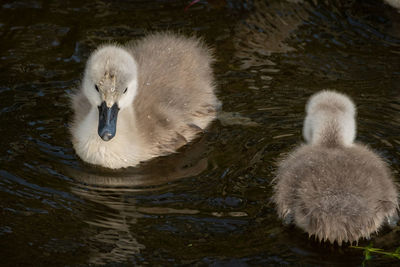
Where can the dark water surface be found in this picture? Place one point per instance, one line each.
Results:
(209, 203)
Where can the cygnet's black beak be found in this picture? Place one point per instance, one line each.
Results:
(107, 121)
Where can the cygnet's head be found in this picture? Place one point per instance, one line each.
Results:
(327, 107)
(110, 83)
(330, 100)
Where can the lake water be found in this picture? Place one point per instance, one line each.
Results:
(209, 204)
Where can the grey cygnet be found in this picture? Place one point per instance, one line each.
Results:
(331, 187)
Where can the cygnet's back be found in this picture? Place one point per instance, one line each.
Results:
(331, 187)
(175, 98)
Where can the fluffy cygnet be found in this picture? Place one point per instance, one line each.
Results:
(331, 187)
(143, 100)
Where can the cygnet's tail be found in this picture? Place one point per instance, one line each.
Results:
(330, 120)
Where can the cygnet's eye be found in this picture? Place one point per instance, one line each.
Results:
(126, 89)
(97, 88)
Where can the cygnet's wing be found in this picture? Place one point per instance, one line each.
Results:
(175, 95)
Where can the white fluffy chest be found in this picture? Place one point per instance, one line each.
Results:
(121, 151)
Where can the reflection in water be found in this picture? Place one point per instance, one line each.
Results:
(113, 241)
(325, 39)
(267, 30)
(115, 189)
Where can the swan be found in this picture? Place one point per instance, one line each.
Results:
(331, 187)
(142, 100)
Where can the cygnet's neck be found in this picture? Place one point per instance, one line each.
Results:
(127, 128)
(330, 133)
(125, 149)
